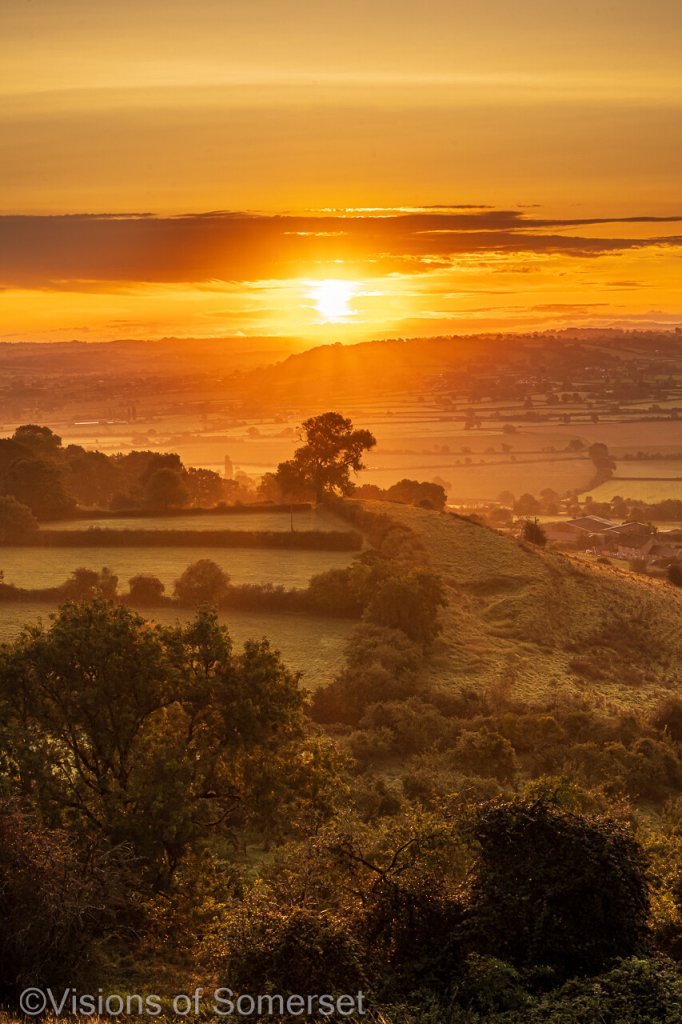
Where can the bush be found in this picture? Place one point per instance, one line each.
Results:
(84, 583)
(555, 888)
(534, 534)
(381, 665)
(674, 575)
(146, 589)
(292, 951)
(53, 909)
(202, 582)
(486, 753)
(668, 718)
(410, 603)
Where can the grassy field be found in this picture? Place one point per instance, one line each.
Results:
(48, 567)
(485, 482)
(669, 468)
(623, 437)
(312, 645)
(548, 621)
(311, 519)
(649, 491)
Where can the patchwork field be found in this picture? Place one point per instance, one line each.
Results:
(48, 567)
(315, 646)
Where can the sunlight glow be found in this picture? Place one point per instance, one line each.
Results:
(332, 297)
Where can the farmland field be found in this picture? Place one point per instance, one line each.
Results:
(669, 468)
(633, 436)
(309, 519)
(314, 645)
(484, 482)
(48, 567)
(649, 491)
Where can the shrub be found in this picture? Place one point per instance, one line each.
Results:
(486, 753)
(381, 665)
(534, 534)
(202, 582)
(668, 718)
(53, 909)
(556, 888)
(84, 583)
(674, 575)
(146, 589)
(410, 603)
(291, 950)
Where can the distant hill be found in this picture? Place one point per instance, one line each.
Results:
(549, 620)
(165, 357)
(329, 372)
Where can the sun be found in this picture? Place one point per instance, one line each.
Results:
(332, 297)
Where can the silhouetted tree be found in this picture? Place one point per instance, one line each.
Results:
(165, 489)
(15, 519)
(39, 484)
(534, 534)
(332, 449)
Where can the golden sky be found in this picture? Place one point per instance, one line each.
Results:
(348, 118)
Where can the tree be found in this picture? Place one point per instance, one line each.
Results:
(675, 575)
(526, 505)
(39, 484)
(15, 519)
(410, 603)
(411, 492)
(603, 463)
(146, 589)
(556, 888)
(165, 489)
(534, 534)
(85, 583)
(92, 477)
(206, 487)
(576, 444)
(42, 441)
(202, 582)
(157, 737)
(332, 449)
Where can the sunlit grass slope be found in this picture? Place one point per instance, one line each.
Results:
(543, 620)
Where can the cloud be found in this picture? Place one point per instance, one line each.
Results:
(112, 252)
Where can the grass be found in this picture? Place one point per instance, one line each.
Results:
(648, 468)
(528, 614)
(486, 481)
(650, 491)
(313, 645)
(313, 519)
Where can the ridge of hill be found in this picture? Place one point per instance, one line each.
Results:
(544, 621)
(324, 371)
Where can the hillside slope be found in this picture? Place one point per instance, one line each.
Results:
(545, 620)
